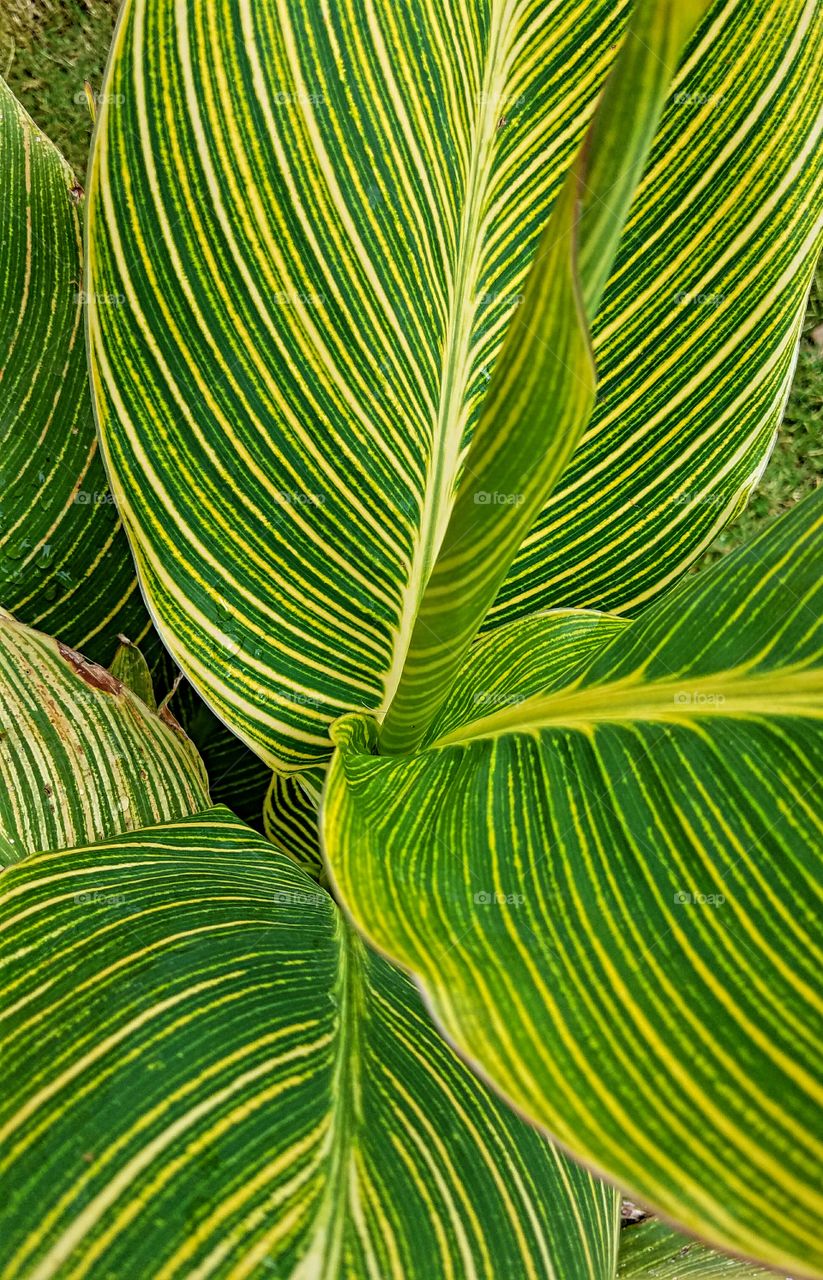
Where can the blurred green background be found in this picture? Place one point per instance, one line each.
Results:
(49, 47)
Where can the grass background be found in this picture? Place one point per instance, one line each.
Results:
(49, 47)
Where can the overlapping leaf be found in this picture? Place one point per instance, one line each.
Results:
(207, 1073)
(65, 565)
(651, 1250)
(697, 331)
(543, 391)
(605, 870)
(81, 757)
(288, 394)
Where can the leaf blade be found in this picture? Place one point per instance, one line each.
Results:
(252, 1124)
(81, 756)
(65, 565)
(614, 898)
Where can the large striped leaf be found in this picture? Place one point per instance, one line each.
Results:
(605, 870)
(287, 398)
(543, 391)
(81, 757)
(207, 1074)
(65, 565)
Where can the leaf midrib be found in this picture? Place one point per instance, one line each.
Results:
(324, 1253)
(795, 691)
(447, 444)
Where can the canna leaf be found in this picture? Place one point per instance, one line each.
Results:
(322, 221)
(604, 869)
(652, 1250)
(697, 332)
(81, 757)
(256, 1094)
(543, 390)
(65, 565)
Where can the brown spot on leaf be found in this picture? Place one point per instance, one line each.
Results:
(170, 719)
(97, 677)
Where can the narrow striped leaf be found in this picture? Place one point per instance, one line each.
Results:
(65, 565)
(290, 821)
(81, 757)
(542, 393)
(607, 878)
(256, 1093)
(236, 777)
(652, 1250)
(287, 398)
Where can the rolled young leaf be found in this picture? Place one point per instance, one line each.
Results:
(256, 1093)
(65, 565)
(604, 869)
(81, 757)
(542, 392)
